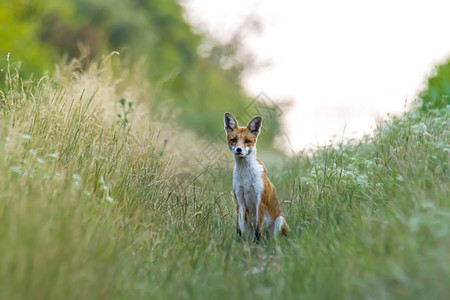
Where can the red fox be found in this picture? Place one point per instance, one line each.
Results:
(255, 194)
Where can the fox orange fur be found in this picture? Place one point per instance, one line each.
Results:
(255, 195)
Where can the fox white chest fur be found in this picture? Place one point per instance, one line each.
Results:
(248, 183)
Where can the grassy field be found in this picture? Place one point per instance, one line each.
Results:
(94, 204)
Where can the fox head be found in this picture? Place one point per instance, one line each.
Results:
(242, 140)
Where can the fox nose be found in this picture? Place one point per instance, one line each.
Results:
(238, 150)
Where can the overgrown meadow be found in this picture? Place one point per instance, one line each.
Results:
(94, 204)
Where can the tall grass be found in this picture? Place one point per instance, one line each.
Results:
(93, 206)
(375, 215)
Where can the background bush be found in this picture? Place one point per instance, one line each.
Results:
(150, 34)
(437, 93)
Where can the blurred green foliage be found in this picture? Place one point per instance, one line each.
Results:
(153, 33)
(438, 89)
(20, 24)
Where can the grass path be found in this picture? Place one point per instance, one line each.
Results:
(91, 209)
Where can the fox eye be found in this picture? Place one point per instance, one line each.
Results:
(247, 141)
(233, 140)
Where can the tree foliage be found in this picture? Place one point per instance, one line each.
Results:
(197, 87)
(437, 93)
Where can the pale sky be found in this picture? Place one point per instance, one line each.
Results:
(343, 63)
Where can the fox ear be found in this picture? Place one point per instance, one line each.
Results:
(230, 122)
(255, 125)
